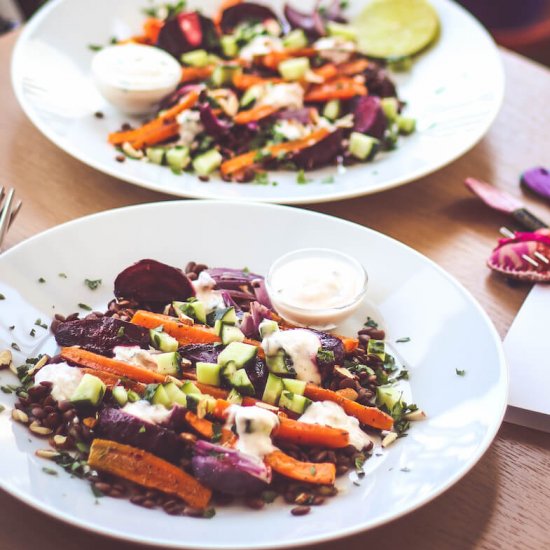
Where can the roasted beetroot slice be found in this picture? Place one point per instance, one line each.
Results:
(245, 11)
(152, 282)
(369, 117)
(117, 425)
(101, 335)
(311, 23)
(321, 153)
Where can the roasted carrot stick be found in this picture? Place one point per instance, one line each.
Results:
(205, 428)
(370, 416)
(272, 59)
(243, 81)
(147, 470)
(254, 114)
(97, 362)
(322, 473)
(340, 88)
(310, 435)
(118, 138)
(326, 72)
(236, 164)
(156, 135)
(151, 29)
(352, 68)
(214, 391)
(191, 74)
(112, 380)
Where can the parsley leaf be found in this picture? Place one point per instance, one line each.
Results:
(403, 340)
(301, 177)
(460, 372)
(2, 297)
(62, 275)
(85, 307)
(40, 324)
(49, 471)
(15, 346)
(92, 284)
(370, 322)
(41, 280)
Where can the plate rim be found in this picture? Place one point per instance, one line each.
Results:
(314, 198)
(342, 533)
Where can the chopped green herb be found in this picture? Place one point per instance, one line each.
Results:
(40, 324)
(403, 340)
(325, 356)
(356, 483)
(370, 322)
(216, 432)
(92, 284)
(405, 469)
(120, 332)
(142, 430)
(95, 47)
(313, 471)
(359, 462)
(86, 307)
(15, 346)
(301, 177)
(49, 471)
(2, 408)
(261, 178)
(2, 297)
(245, 270)
(262, 154)
(209, 513)
(11, 327)
(32, 332)
(41, 280)
(328, 179)
(344, 4)
(96, 492)
(62, 275)
(403, 375)
(83, 448)
(6, 389)
(460, 372)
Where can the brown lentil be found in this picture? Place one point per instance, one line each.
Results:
(300, 510)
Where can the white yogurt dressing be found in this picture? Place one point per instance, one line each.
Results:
(190, 126)
(335, 49)
(64, 379)
(331, 414)
(206, 293)
(316, 291)
(135, 356)
(301, 346)
(282, 96)
(260, 45)
(254, 426)
(135, 77)
(154, 414)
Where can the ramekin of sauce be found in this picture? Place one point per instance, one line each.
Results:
(316, 287)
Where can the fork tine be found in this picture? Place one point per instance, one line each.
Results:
(1, 196)
(5, 215)
(14, 212)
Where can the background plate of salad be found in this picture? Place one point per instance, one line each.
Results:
(289, 103)
(435, 328)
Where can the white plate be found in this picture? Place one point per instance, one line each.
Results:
(448, 331)
(454, 90)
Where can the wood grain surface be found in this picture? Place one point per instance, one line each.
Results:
(504, 502)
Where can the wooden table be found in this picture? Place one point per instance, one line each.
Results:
(504, 502)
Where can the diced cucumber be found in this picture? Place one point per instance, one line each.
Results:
(250, 96)
(388, 395)
(155, 154)
(229, 333)
(214, 59)
(162, 340)
(294, 386)
(156, 395)
(332, 109)
(267, 327)
(377, 347)
(168, 363)
(235, 397)
(223, 74)
(195, 58)
(362, 146)
(406, 125)
(238, 353)
(178, 157)
(176, 396)
(340, 29)
(242, 383)
(120, 395)
(89, 392)
(279, 363)
(208, 373)
(295, 39)
(194, 309)
(230, 48)
(206, 163)
(273, 389)
(227, 371)
(294, 68)
(227, 316)
(390, 106)
(133, 396)
(188, 388)
(294, 402)
(200, 404)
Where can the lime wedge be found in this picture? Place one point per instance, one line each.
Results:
(396, 28)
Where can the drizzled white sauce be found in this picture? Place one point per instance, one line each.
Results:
(335, 49)
(135, 356)
(331, 414)
(282, 96)
(135, 77)
(190, 126)
(254, 426)
(301, 346)
(260, 45)
(64, 379)
(154, 414)
(206, 293)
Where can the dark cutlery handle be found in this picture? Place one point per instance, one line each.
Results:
(528, 220)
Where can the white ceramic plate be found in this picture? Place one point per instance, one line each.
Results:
(448, 331)
(454, 90)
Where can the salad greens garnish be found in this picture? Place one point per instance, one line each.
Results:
(92, 284)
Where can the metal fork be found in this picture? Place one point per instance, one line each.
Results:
(8, 212)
